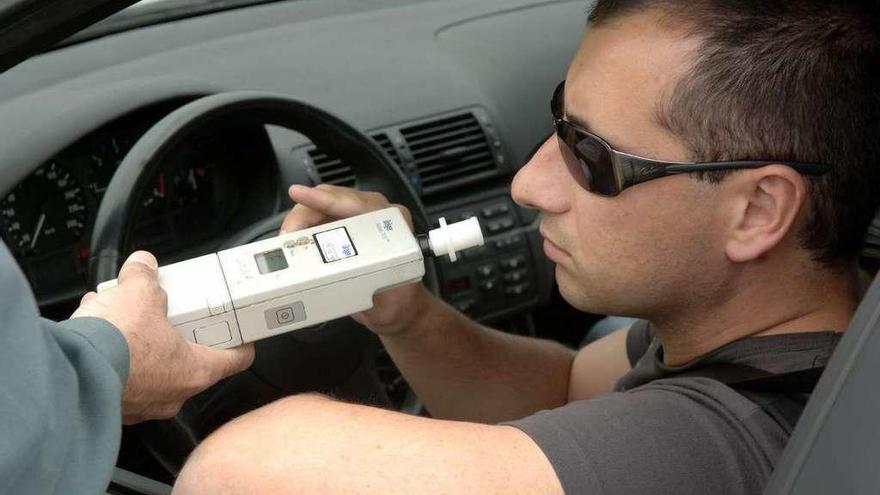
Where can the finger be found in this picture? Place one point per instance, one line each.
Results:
(337, 202)
(87, 297)
(132, 419)
(301, 217)
(169, 410)
(140, 266)
(221, 363)
(407, 215)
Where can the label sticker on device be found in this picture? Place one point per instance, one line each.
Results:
(335, 245)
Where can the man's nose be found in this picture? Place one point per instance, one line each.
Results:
(543, 183)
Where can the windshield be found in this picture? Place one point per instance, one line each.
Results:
(158, 5)
(146, 12)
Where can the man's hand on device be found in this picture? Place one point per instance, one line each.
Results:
(393, 310)
(165, 369)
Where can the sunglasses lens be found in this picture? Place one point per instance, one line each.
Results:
(578, 172)
(596, 157)
(589, 161)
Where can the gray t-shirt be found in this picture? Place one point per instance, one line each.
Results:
(662, 434)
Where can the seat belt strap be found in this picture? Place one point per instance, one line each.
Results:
(743, 377)
(753, 383)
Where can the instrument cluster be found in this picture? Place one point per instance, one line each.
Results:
(47, 219)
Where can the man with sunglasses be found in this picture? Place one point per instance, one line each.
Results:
(713, 172)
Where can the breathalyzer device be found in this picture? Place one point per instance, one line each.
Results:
(302, 278)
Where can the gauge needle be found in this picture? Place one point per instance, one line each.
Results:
(38, 230)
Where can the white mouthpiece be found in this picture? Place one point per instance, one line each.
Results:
(455, 237)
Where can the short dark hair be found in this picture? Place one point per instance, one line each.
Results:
(788, 80)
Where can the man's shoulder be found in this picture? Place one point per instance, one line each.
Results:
(666, 401)
(676, 435)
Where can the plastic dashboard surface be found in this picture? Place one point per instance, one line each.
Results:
(374, 63)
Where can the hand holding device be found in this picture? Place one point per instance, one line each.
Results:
(393, 310)
(165, 370)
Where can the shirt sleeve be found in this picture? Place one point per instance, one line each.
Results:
(650, 440)
(60, 395)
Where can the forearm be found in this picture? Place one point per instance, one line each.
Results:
(60, 409)
(465, 371)
(309, 444)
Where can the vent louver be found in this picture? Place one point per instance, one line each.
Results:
(437, 154)
(450, 151)
(332, 170)
(385, 142)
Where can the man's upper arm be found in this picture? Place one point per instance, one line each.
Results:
(309, 444)
(598, 366)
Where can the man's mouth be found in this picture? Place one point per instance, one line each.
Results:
(551, 249)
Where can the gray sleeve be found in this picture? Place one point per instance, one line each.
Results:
(644, 442)
(60, 395)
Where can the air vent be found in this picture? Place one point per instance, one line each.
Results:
(332, 170)
(384, 141)
(450, 151)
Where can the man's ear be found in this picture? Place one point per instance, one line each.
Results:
(768, 203)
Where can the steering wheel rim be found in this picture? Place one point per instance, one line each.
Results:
(114, 223)
(372, 168)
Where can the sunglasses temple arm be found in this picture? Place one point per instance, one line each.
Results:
(633, 171)
(802, 167)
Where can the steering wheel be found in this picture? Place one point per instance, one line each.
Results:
(332, 357)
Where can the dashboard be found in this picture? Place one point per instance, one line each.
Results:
(455, 91)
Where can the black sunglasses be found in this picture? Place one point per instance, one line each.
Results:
(606, 171)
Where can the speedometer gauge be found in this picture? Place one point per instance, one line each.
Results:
(47, 211)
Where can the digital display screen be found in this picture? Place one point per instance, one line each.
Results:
(335, 245)
(458, 284)
(271, 261)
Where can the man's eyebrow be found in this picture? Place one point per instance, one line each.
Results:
(578, 121)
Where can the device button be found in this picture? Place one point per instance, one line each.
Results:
(509, 242)
(215, 307)
(288, 314)
(284, 316)
(513, 263)
(485, 271)
(515, 277)
(488, 285)
(502, 224)
(495, 210)
(516, 290)
(213, 335)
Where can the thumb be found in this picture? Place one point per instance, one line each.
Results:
(224, 362)
(140, 265)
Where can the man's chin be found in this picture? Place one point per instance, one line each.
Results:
(581, 294)
(572, 290)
